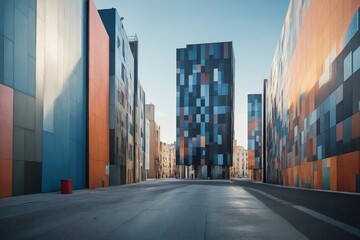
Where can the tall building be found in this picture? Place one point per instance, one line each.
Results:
(139, 115)
(313, 98)
(154, 143)
(49, 111)
(122, 93)
(255, 136)
(147, 144)
(205, 108)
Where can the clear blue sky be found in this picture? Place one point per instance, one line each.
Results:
(254, 26)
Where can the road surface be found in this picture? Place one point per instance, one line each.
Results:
(183, 209)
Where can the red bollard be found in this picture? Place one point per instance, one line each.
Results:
(66, 186)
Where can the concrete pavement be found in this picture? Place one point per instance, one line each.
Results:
(158, 209)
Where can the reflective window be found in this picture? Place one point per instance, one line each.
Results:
(348, 66)
(356, 59)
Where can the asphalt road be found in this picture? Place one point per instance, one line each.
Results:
(182, 209)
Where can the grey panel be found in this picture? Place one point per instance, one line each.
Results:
(38, 146)
(24, 111)
(38, 115)
(20, 52)
(18, 177)
(29, 145)
(19, 144)
(32, 177)
(8, 63)
(31, 76)
(30, 113)
(9, 20)
(22, 6)
(19, 109)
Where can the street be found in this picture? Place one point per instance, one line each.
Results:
(183, 209)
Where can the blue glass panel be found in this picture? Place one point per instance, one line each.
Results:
(348, 66)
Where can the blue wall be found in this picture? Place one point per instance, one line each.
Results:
(63, 70)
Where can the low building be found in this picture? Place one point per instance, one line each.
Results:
(154, 143)
(239, 168)
(167, 160)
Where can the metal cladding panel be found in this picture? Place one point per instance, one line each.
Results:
(98, 129)
(61, 72)
(6, 140)
(313, 100)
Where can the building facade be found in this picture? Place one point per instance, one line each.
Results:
(167, 160)
(239, 168)
(47, 111)
(154, 143)
(255, 136)
(205, 105)
(313, 98)
(122, 112)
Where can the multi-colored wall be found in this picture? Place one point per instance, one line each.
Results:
(204, 104)
(255, 136)
(21, 101)
(313, 98)
(54, 97)
(98, 97)
(122, 87)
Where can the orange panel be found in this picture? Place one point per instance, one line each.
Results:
(5, 178)
(333, 173)
(348, 168)
(98, 99)
(6, 140)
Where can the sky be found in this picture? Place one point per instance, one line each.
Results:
(162, 26)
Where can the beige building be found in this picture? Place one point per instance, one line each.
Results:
(154, 143)
(239, 168)
(167, 160)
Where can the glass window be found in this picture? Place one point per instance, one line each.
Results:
(348, 66)
(216, 74)
(356, 59)
(123, 49)
(122, 72)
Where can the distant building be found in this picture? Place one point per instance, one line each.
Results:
(239, 169)
(205, 109)
(167, 160)
(147, 145)
(154, 143)
(254, 137)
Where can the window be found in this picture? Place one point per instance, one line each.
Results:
(348, 66)
(122, 72)
(123, 49)
(356, 60)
